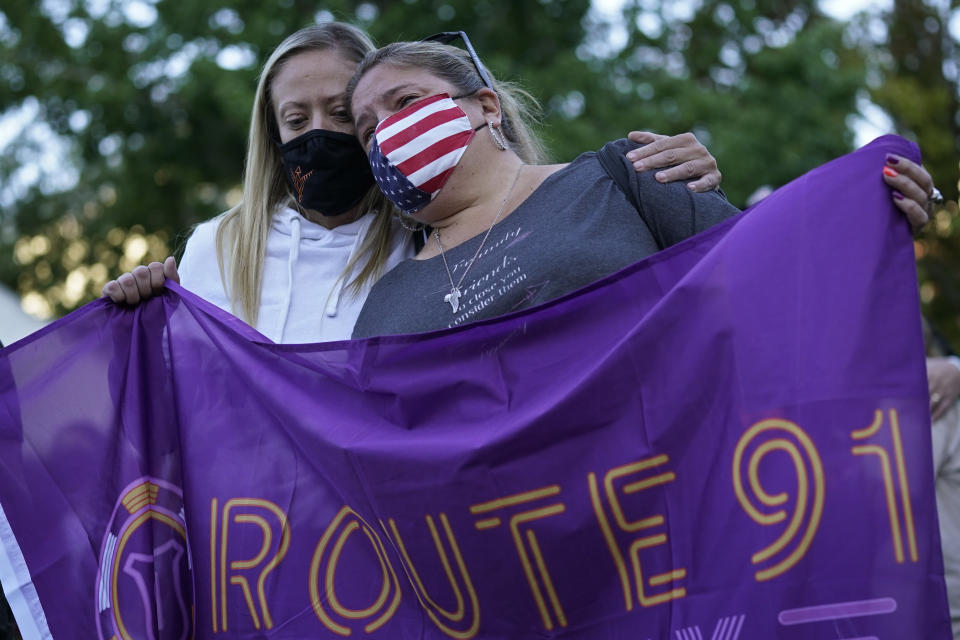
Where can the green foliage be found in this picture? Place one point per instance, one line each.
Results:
(155, 127)
(915, 78)
(151, 100)
(740, 76)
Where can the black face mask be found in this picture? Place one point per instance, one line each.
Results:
(326, 170)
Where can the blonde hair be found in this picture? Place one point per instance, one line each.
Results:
(521, 110)
(243, 230)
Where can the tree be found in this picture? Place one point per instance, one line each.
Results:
(740, 75)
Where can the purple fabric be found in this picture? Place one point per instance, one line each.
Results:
(728, 440)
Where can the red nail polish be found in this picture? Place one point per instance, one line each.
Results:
(890, 171)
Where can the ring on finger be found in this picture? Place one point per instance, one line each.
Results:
(935, 398)
(935, 196)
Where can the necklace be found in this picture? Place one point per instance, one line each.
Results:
(453, 298)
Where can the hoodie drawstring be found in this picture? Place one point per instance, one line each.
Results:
(292, 258)
(333, 297)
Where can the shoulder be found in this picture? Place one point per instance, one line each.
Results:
(615, 150)
(610, 162)
(613, 156)
(591, 167)
(621, 146)
(200, 251)
(204, 234)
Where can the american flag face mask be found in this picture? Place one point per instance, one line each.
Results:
(415, 150)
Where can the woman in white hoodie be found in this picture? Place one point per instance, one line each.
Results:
(297, 257)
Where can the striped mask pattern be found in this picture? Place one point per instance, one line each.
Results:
(415, 150)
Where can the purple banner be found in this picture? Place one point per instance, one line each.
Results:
(729, 440)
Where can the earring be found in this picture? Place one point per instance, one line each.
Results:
(498, 138)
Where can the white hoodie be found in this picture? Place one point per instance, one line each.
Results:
(301, 299)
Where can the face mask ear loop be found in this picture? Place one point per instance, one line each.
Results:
(499, 139)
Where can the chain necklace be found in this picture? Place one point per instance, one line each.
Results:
(453, 298)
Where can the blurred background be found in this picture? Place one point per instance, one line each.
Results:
(123, 123)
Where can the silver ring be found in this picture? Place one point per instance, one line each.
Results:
(936, 197)
(935, 398)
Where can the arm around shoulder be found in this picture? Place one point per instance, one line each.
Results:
(673, 212)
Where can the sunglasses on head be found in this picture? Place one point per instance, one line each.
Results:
(446, 37)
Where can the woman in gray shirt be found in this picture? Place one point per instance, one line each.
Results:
(507, 233)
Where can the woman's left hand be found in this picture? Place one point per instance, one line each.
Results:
(912, 187)
(683, 153)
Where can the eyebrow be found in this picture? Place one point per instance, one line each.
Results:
(288, 103)
(362, 120)
(299, 103)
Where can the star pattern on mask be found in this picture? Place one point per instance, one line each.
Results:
(394, 184)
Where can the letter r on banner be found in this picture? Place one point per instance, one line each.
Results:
(249, 574)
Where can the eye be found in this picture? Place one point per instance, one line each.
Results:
(341, 115)
(366, 137)
(405, 100)
(294, 121)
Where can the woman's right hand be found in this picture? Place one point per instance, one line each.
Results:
(142, 283)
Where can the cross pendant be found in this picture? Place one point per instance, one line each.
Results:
(453, 299)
